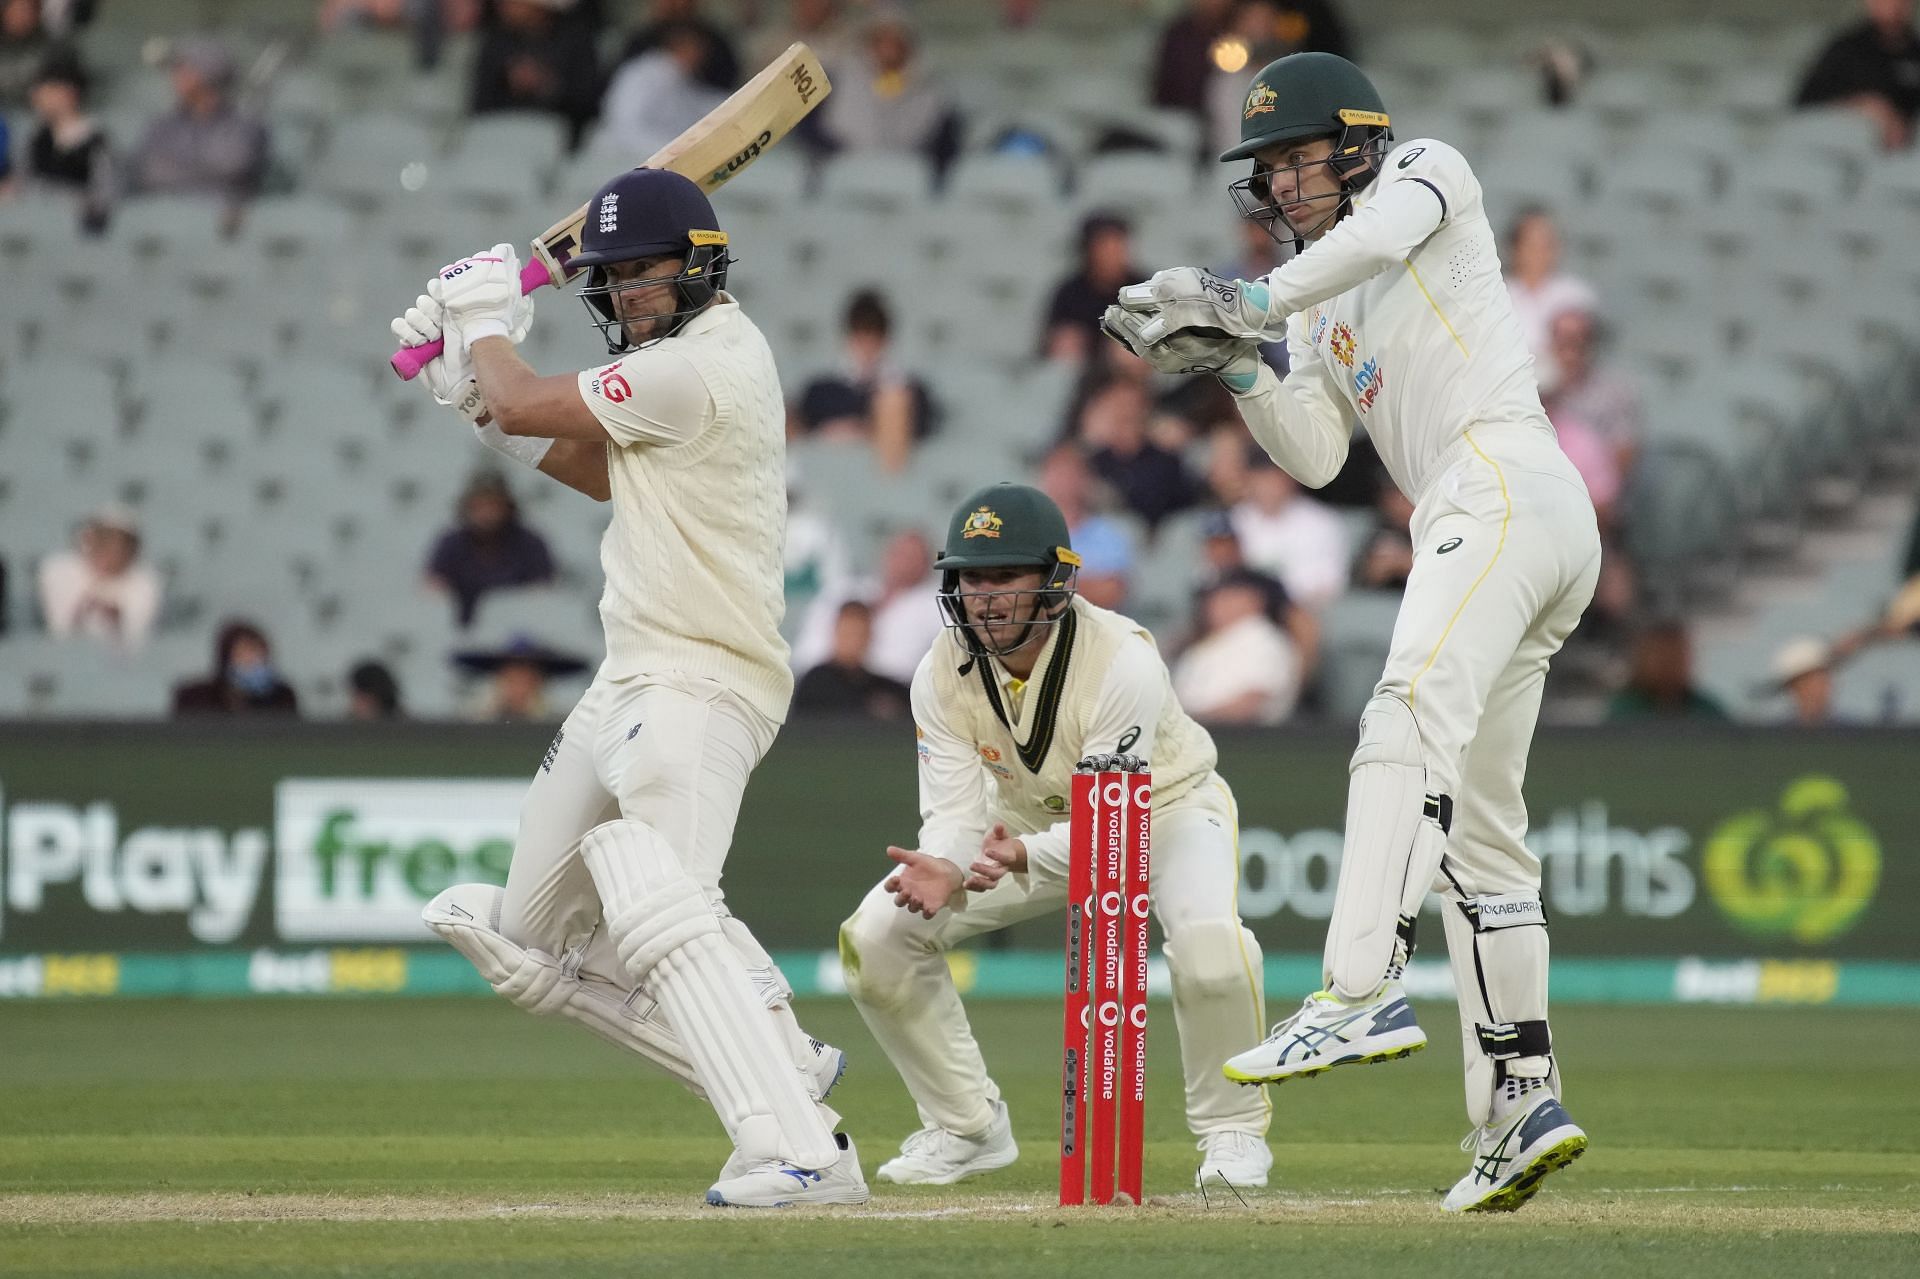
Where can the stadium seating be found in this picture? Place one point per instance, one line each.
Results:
(239, 399)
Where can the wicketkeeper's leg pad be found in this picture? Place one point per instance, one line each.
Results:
(1499, 951)
(1396, 834)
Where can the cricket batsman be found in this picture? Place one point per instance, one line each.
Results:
(612, 915)
(1394, 313)
(1028, 679)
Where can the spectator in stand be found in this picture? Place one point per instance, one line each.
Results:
(1243, 669)
(100, 590)
(489, 549)
(373, 694)
(1660, 685)
(1106, 264)
(6, 160)
(516, 691)
(1539, 289)
(1387, 557)
(68, 151)
(1803, 671)
(1258, 32)
(1104, 546)
(654, 98)
(886, 101)
(816, 563)
(816, 22)
(430, 21)
(1222, 559)
(1113, 427)
(204, 146)
(1872, 68)
(1590, 391)
(1184, 64)
(719, 66)
(868, 397)
(243, 681)
(539, 55)
(906, 611)
(843, 685)
(1290, 535)
(30, 30)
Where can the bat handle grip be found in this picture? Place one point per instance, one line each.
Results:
(409, 360)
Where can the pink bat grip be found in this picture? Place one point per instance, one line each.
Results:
(409, 360)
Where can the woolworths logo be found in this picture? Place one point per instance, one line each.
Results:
(1806, 871)
(357, 859)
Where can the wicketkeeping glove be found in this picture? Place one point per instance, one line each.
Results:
(1186, 297)
(1235, 361)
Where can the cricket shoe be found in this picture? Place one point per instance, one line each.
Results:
(829, 1063)
(823, 1073)
(1241, 1159)
(1511, 1157)
(935, 1157)
(1326, 1033)
(775, 1183)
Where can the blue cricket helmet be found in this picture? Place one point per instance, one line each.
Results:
(647, 213)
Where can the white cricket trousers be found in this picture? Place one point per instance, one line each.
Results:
(897, 973)
(1506, 555)
(673, 751)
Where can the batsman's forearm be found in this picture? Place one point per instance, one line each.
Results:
(1303, 443)
(524, 403)
(581, 465)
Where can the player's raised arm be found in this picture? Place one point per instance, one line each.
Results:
(450, 378)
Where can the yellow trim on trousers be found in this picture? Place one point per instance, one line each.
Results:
(1256, 982)
(1505, 520)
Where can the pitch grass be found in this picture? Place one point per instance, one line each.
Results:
(460, 1138)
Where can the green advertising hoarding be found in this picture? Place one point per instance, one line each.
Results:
(1763, 859)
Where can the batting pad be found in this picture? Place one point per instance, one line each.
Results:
(674, 947)
(467, 916)
(1396, 834)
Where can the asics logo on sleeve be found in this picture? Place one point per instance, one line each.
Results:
(1451, 544)
(1410, 157)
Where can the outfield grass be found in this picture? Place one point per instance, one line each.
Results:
(443, 1138)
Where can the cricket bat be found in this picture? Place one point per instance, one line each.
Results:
(725, 141)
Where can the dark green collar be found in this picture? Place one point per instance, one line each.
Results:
(1046, 707)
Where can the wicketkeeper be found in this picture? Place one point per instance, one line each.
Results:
(1028, 679)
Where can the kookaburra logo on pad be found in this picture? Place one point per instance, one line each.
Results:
(609, 213)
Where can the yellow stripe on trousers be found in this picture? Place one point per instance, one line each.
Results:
(1255, 982)
(1501, 545)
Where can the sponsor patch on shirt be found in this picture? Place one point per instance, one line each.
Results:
(1367, 381)
(610, 385)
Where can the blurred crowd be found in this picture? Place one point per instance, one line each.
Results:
(1134, 457)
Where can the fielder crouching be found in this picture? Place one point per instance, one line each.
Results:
(1027, 680)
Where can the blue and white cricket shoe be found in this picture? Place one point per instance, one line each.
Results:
(1327, 1032)
(775, 1183)
(1512, 1157)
